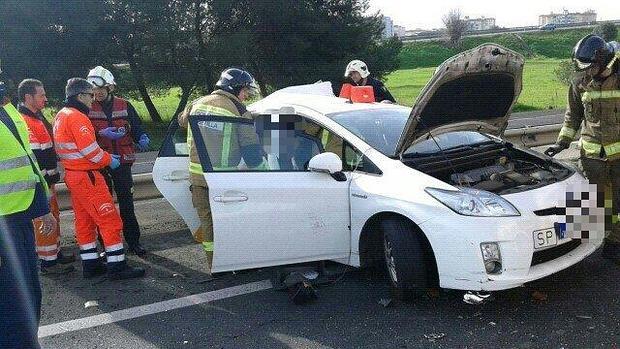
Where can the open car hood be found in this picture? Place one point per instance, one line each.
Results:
(474, 90)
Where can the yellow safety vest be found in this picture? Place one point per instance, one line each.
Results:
(18, 178)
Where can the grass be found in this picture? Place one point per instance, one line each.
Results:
(541, 89)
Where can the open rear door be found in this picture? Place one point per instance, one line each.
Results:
(171, 174)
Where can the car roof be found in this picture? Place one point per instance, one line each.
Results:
(319, 103)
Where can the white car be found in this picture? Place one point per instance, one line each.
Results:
(431, 191)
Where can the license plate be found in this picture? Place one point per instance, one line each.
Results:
(545, 238)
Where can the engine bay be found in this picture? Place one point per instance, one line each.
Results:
(497, 167)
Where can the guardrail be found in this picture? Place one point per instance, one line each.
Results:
(145, 189)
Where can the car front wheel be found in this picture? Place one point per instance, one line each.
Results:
(407, 260)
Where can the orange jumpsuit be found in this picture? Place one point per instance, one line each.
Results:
(94, 208)
(39, 132)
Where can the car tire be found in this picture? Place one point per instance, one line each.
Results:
(406, 259)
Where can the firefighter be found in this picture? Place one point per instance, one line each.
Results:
(118, 127)
(33, 99)
(82, 158)
(358, 74)
(594, 99)
(23, 197)
(233, 87)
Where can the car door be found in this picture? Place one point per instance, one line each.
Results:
(171, 174)
(267, 208)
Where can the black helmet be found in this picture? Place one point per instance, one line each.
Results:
(2, 90)
(234, 79)
(591, 49)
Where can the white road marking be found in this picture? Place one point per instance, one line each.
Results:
(150, 309)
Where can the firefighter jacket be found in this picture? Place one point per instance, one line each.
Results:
(39, 132)
(228, 140)
(597, 105)
(23, 191)
(117, 112)
(75, 141)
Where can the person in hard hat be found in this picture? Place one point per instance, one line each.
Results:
(82, 158)
(32, 98)
(118, 127)
(23, 197)
(357, 74)
(233, 87)
(593, 105)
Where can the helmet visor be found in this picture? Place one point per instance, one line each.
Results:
(98, 81)
(581, 66)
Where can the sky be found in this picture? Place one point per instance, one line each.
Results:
(508, 13)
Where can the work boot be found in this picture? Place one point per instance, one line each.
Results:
(125, 272)
(136, 249)
(611, 251)
(56, 269)
(65, 259)
(92, 270)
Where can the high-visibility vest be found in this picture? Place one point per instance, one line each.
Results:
(203, 109)
(42, 145)
(19, 172)
(75, 142)
(119, 118)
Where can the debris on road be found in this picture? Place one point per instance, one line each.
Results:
(476, 298)
(91, 304)
(434, 336)
(584, 317)
(540, 296)
(385, 302)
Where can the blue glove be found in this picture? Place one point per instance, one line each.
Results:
(143, 142)
(112, 133)
(116, 161)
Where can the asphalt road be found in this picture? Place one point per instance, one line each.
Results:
(581, 309)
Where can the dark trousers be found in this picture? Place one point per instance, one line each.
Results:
(20, 290)
(121, 182)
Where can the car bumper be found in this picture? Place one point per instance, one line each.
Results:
(456, 243)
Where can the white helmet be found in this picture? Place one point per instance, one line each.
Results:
(358, 66)
(100, 77)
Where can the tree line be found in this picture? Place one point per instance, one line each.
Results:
(158, 44)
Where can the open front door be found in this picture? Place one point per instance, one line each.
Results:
(267, 208)
(171, 174)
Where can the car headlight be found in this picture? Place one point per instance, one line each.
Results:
(474, 202)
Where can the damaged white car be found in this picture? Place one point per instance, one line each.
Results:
(432, 191)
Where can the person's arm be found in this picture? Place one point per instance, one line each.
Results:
(572, 117)
(135, 123)
(86, 142)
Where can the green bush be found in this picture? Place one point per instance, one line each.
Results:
(564, 71)
(607, 31)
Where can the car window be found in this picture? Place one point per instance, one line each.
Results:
(354, 160)
(175, 143)
(380, 128)
(267, 143)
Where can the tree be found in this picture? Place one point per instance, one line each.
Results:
(289, 42)
(455, 27)
(607, 31)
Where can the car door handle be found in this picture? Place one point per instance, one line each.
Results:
(176, 176)
(239, 198)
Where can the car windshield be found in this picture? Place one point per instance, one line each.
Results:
(380, 128)
(446, 142)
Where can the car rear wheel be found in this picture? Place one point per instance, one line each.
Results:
(406, 258)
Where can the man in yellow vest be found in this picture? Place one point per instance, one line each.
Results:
(594, 108)
(231, 144)
(23, 197)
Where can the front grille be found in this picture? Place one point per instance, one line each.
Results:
(554, 252)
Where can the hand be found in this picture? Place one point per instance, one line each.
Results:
(554, 149)
(48, 224)
(143, 143)
(116, 161)
(387, 101)
(112, 133)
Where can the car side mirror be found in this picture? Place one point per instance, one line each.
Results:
(327, 163)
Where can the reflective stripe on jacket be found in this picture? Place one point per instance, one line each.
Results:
(41, 144)
(75, 142)
(596, 104)
(19, 173)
